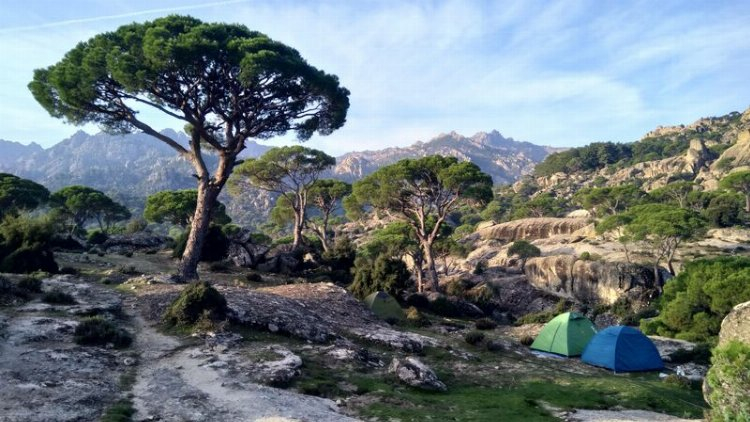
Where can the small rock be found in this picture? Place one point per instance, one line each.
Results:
(691, 371)
(413, 372)
(128, 361)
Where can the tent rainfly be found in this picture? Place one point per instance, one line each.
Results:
(622, 349)
(566, 334)
(384, 306)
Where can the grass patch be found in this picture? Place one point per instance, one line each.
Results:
(521, 402)
(122, 411)
(97, 331)
(58, 297)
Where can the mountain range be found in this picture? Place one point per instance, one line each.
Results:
(131, 167)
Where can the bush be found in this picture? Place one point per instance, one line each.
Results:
(474, 337)
(342, 255)
(193, 301)
(729, 382)
(495, 346)
(136, 225)
(695, 302)
(384, 273)
(30, 284)
(485, 324)
(701, 354)
(97, 237)
(26, 245)
(68, 270)
(254, 277)
(97, 331)
(416, 318)
(444, 307)
(219, 267)
(457, 288)
(58, 297)
(215, 245)
(480, 267)
(527, 340)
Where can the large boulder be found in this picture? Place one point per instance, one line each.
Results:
(736, 325)
(243, 251)
(532, 228)
(413, 372)
(129, 243)
(281, 259)
(590, 281)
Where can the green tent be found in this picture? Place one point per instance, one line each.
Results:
(567, 334)
(384, 306)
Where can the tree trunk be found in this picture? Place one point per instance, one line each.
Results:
(657, 279)
(747, 203)
(429, 261)
(299, 223)
(207, 194)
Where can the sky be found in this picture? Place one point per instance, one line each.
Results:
(559, 73)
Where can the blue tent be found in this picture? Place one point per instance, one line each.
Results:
(622, 349)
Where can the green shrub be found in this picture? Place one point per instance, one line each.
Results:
(416, 318)
(527, 340)
(30, 284)
(701, 354)
(196, 298)
(485, 324)
(219, 267)
(136, 225)
(443, 306)
(342, 255)
(97, 237)
(383, 273)
(122, 411)
(480, 267)
(58, 297)
(474, 337)
(729, 382)
(254, 277)
(215, 245)
(456, 288)
(97, 331)
(68, 270)
(695, 302)
(26, 245)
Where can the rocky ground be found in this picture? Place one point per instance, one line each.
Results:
(290, 352)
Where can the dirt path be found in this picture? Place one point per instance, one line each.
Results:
(177, 382)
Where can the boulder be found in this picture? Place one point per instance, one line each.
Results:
(413, 372)
(736, 325)
(282, 260)
(532, 228)
(590, 281)
(129, 243)
(279, 372)
(243, 251)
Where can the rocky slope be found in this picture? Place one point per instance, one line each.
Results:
(131, 167)
(715, 146)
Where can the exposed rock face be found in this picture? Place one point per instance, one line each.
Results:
(128, 243)
(657, 173)
(279, 372)
(502, 158)
(532, 228)
(243, 252)
(413, 372)
(318, 312)
(736, 325)
(589, 281)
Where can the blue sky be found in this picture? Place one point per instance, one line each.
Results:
(557, 73)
